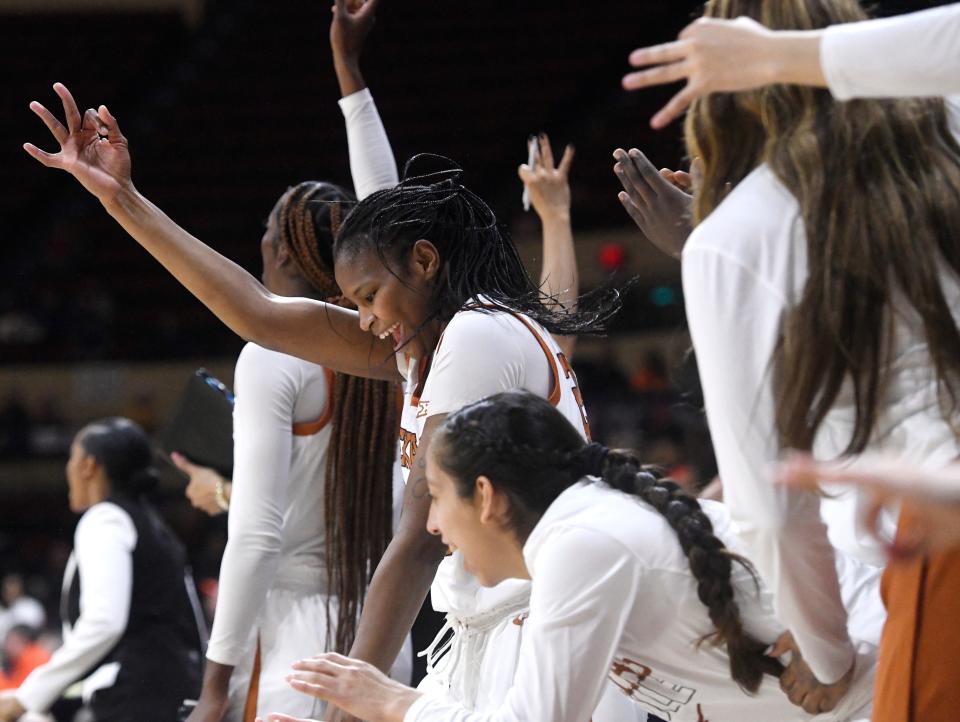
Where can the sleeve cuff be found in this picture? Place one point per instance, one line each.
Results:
(353, 102)
(833, 62)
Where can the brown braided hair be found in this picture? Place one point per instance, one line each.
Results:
(531, 453)
(358, 497)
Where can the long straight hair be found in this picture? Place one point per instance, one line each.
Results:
(878, 185)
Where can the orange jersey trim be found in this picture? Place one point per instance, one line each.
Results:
(309, 428)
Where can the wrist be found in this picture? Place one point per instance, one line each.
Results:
(396, 710)
(124, 200)
(793, 57)
(555, 217)
(349, 77)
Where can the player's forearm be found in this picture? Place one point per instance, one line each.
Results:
(231, 293)
(559, 277)
(397, 591)
(349, 77)
(794, 57)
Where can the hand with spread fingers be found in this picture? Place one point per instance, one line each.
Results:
(655, 200)
(801, 686)
(716, 55)
(929, 498)
(354, 686)
(92, 148)
(548, 184)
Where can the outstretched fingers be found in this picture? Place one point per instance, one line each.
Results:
(675, 108)
(545, 157)
(661, 75)
(70, 110)
(48, 159)
(49, 119)
(566, 160)
(659, 54)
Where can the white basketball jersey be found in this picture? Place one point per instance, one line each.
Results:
(482, 352)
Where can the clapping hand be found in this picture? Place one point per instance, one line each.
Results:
(92, 148)
(655, 200)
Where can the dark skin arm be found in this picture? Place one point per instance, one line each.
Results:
(404, 575)
(352, 20)
(94, 151)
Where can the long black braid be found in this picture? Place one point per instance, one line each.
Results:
(477, 255)
(531, 453)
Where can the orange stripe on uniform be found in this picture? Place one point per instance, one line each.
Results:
(555, 389)
(253, 691)
(309, 428)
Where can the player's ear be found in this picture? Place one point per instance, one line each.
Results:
(492, 504)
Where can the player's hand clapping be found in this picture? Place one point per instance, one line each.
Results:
(655, 200)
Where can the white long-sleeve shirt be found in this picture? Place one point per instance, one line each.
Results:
(103, 545)
(613, 596)
(276, 526)
(744, 267)
(910, 55)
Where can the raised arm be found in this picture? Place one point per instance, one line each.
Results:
(907, 56)
(94, 151)
(549, 189)
(372, 163)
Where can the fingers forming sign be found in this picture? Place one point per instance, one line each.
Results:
(92, 148)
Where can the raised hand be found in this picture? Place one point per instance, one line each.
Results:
(655, 200)
(92, 148)
(352, 20)
(547, 184)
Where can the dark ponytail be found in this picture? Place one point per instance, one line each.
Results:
(124, 451)
(531, 453)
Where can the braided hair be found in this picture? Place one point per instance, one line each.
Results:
(358, 497)
(531, 453)
(477, 255)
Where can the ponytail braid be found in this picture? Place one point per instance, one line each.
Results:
(358, 495)
(710, 561)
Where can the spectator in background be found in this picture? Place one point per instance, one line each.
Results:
(20, 609)
(21, 655)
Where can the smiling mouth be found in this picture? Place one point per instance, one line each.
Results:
(395, 331)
